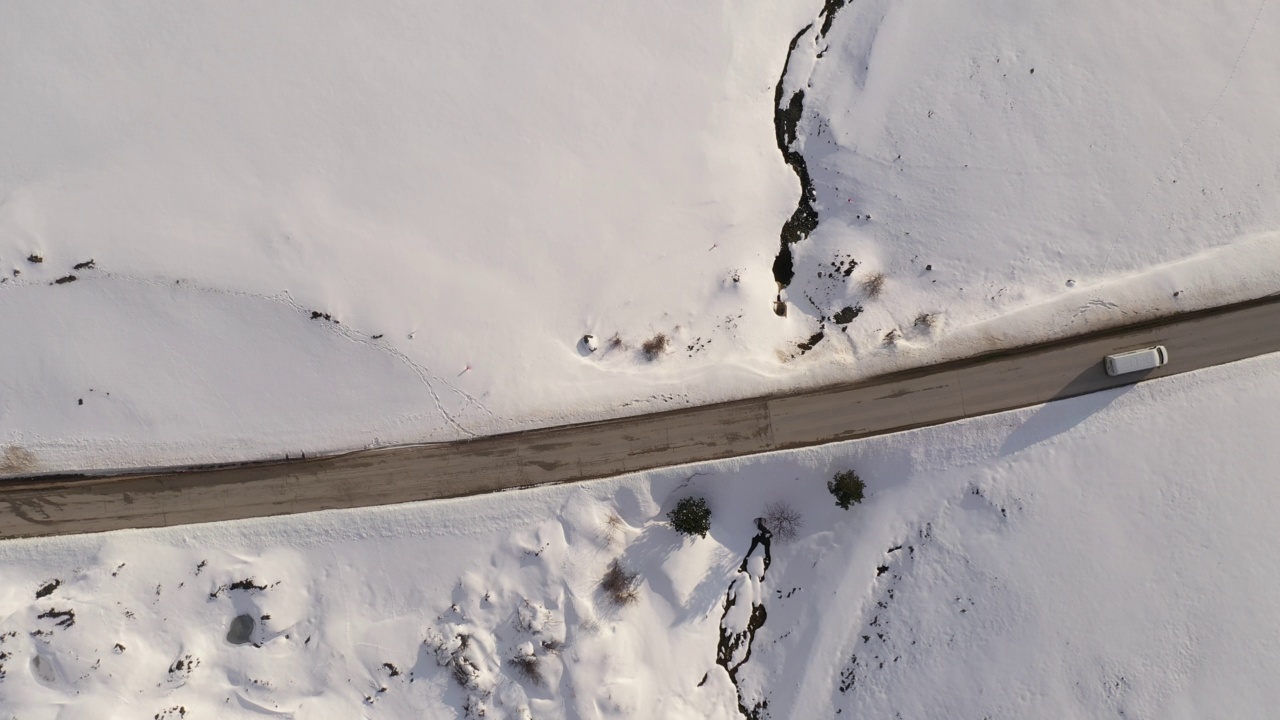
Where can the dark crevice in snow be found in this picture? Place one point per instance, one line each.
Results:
(48, 589)
(787, 112)
(732, 641)
(847, 314)
(65, 618)
(786, 116)
(812, 342)
(828, 15)
(241, 630)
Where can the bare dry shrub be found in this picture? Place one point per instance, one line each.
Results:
(533, 618)
(611, 528)
(527, 666)
(925, 320)
(873, 285)
(453, 656)
(474, 707)
(783, 520)
(619, 584)
(654, 347)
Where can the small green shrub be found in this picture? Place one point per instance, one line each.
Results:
(847, 488)
(691, 516)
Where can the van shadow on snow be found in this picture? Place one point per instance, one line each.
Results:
(1054, 418)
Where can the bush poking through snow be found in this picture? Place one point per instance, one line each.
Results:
(925, 320)
(873, 285)
(532, 618)
(454, 655)
(619, 584)
(474, 707)
(847, 488)
(691, 516)
(611, 529)
(527, 665)
(654, 347)
(783, 520)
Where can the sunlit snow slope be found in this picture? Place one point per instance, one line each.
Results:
(316, 226)
(989, 155)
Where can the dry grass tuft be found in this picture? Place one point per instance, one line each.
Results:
(619, 584)
(527, 666)
(654, 347)
(874, 285)
(611, 529)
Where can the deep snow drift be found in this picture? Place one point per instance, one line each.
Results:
(1093, 557)
(318, 227)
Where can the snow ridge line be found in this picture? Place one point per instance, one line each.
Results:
(284, 297)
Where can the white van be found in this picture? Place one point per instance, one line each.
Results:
(1137, 360)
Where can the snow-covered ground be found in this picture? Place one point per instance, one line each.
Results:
(319, 225)
(1103, 556)
(242, 230)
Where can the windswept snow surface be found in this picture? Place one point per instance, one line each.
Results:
(1103, 556)
(989, 155)
(317, 226)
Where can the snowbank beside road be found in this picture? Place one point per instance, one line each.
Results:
(1100, 550)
